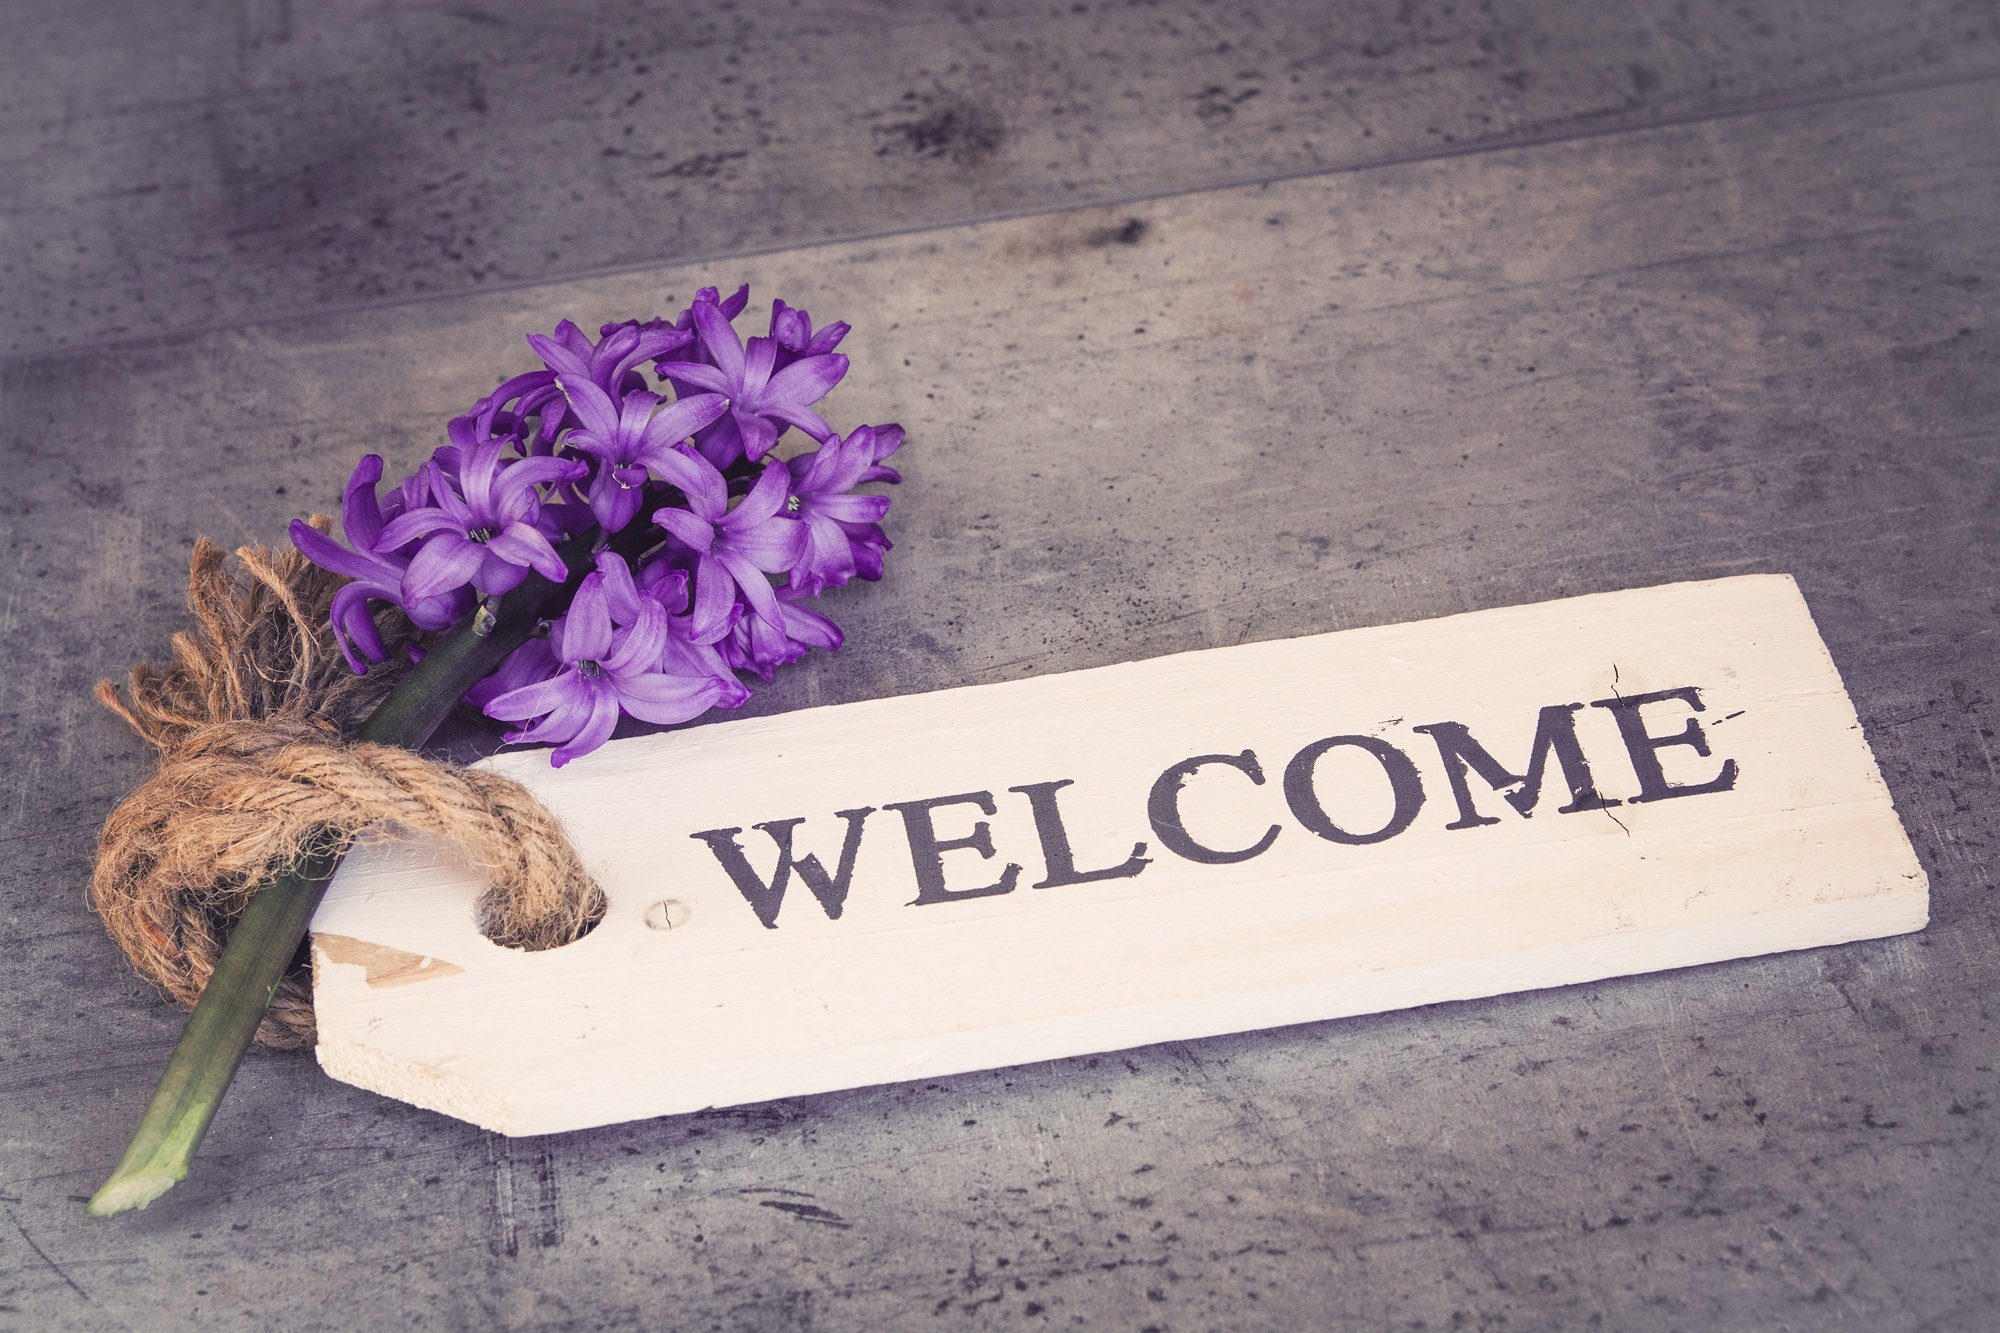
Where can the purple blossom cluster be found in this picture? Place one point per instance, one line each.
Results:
(720, 546)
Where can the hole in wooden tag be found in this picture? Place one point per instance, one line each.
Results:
(668, 914)
(486, 918)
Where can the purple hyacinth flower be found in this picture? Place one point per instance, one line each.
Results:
(374, 568)
(531, 663)
(763, 400)
(660, 582)
(731, 306)
(837, 523)
(604, 671)
(483, 527)
(886, 440)
(371, 575)
(733, 551)
(754, 644)
(792, 330)
(610, 364)
(628, 441)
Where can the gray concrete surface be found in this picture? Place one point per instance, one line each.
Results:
(188, 165)
(1742, 318)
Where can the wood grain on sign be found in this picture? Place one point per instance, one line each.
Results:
(1206, 843)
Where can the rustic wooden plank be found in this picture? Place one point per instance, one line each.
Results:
(1761, 343)
(215, 163)
(1098, 860)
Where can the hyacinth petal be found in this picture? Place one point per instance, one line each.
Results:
(888, 438)
(807, 420)
(654, 341)
(757, 591)
(682, 418)
(707, 493)
(640, 646)
(806, 380)
(637, 410)
(758, 435)
(331, 556)
(513, 493)
(835, 466)
(440, 612)
(521, 385)
(760, 357)
(665, 700)
(828, 338)
(585, 633)
(596, 730)
(415, 526)
(690, 529)
(476, 468)
(592, 405)
(559, 358)
(720, 441)
(868, 548)
(611, 503)
(354, 625)
(762, 644)
(685, 657)
(519, 544)
(664, 584)
(530, 664)
(713, 598)
(360, 516)
(773, 546)
(827, 558)
(810, 627)
(444, 563)
(621, 593)
(702, 482)
(765, 498)
(852, 508)
(719, 340)
(536, 471)
(805, 469)
(496, 575)
(533, 700)
(618, 342)
(464, 432)
(700, 375)
(791, 328)
(562, 723)
(444, 493)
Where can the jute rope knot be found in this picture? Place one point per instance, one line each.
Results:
(254, 779)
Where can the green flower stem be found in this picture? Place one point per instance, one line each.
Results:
(266, 938)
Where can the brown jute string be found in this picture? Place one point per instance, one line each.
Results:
(254, 778)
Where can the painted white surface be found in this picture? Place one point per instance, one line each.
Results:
(636, 1020)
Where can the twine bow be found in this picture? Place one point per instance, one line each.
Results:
(254, 778)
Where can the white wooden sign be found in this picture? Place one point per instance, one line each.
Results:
(1200, 844)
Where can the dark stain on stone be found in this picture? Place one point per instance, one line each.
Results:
(702, 166)
(961, 132)
(810, 1212)
(1128, 233)
(1216, 105)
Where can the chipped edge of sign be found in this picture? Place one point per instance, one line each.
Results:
(428, 1086)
